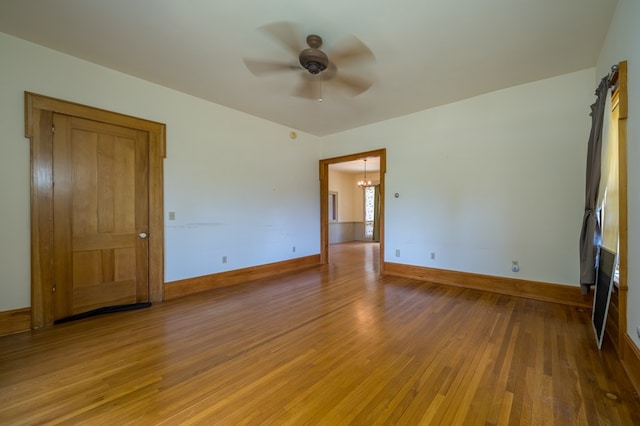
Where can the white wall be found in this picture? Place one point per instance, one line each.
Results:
(239, 186)
(484, 181)
(623, 43)
(487, 180)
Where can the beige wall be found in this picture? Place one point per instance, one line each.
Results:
(350, 196)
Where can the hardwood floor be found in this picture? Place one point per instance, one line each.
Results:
(329, 345)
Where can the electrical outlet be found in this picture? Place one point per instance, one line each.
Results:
(638, 331)
(433, 255)
(293, 249)
(397, 252)
(172, 215)
(224, 259)
(515, 267)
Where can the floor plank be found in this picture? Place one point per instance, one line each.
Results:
(332, 345)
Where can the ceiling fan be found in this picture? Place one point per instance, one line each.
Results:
(314, 66)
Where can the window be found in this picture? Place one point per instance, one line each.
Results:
(609, 187)
(333, 206)
(369, 209)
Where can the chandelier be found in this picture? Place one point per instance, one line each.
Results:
(364, 182)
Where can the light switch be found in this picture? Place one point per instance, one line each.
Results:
(172, 215)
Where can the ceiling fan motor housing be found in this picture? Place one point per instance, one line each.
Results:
(313, 59)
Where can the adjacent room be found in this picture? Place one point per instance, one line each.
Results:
(293, 212)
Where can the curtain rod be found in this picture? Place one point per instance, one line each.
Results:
(613, 76)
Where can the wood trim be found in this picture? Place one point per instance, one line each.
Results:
(324, 212)
(179, 288)
(41, 216)
(557, 293)
(622, 89)
(39, 111)
(15, 321)
(324, 198)
(34, 101)
(157, 154)
(630, 358)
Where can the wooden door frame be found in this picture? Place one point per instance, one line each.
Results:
(39, 112)
(324, 199)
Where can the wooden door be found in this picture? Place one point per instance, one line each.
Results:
(100, 215)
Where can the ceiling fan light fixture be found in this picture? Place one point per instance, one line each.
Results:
(364, 182)
(314, 60)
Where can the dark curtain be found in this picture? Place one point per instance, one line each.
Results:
(376, 214)
(590, 234)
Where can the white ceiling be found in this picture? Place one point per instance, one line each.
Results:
(428, 52)
(357, 166)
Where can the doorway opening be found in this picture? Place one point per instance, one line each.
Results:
(326, 194)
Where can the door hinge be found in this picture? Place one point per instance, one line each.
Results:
(53, 287)
(53, 128)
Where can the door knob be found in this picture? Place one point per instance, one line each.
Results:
(142, 235)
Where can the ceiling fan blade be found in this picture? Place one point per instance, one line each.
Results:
(308, 88)
(355, 85)
(287, 34)
(329, 73)
(352, 50)
(260, 67)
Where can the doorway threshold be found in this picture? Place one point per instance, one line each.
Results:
(103, 310)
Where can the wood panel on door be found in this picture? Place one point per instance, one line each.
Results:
(100, 215)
